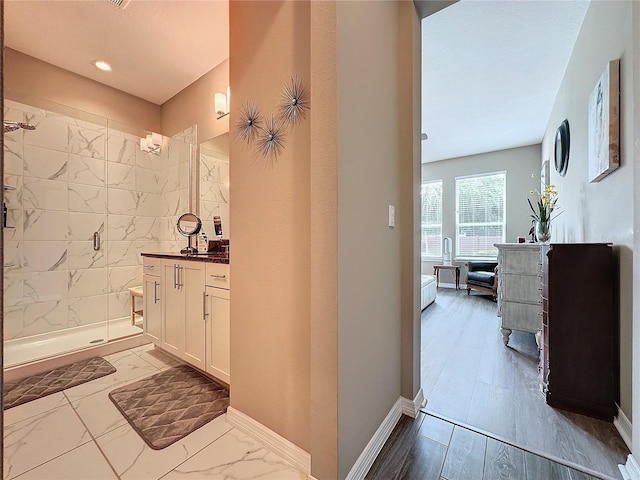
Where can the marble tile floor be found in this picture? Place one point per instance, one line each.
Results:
(79, 434)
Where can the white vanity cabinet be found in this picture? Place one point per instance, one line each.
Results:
(218, 283)
(519, 289)
(186, 310)
(152, 309)
(183, 308)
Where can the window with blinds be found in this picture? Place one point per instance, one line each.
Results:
(431, 224)
(480, 214)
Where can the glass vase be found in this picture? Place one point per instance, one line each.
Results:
(543, 232)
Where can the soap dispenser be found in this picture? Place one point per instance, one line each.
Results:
(203, 242)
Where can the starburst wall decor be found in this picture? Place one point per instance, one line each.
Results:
(269, 135)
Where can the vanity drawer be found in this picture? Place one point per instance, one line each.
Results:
(218, 275)
(151, 266)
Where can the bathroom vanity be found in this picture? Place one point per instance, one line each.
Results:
(186, 308)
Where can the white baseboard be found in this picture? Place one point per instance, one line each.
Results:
(630, 470)
(623, 425)
(412, 407)
(381, 435)
(452, 285)
(274, 442)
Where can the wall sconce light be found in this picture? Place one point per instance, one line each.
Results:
(222, 103)
(152, 143)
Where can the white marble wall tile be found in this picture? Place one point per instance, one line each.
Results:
(91, 121)
(44, 224)
(82, 255)
(13, 289)
(85, 283)
(14, 111)
(15, 228)
(174, 204)
(122, 149)
(207, 212)
(122, 202)
(44, 317)
(122, 254)
(87, 142)
(151, 181)
(35, 407)
(149, 160)
(149, 204)
(122, 278)
(183, 174)
(235, 455)
(87, 198)
(86, 170)
(120, 175)
(83, 463)
(13, 251)
(133, 459)
(12, 322)
(178, 151)
(87, 310)
(46, 286)
(45, 163)
(148, 228)
(122, 227)
(119, 305)
(44, 255)
(189, 135)
(13, 157)
(13, 197)
(81, 226)
(49, 133)
(47, 436)
(44, 194)
(173, 179)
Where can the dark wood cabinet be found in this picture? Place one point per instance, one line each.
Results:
(580, 352)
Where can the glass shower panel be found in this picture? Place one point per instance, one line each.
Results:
(146, 192)
(55, 193)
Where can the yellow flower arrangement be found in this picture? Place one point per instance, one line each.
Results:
(547, 203)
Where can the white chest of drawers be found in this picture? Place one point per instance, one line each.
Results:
(519, 284)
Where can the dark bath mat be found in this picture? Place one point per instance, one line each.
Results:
(169, 405)
(53, 381)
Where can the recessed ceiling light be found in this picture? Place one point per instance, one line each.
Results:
(102, 65)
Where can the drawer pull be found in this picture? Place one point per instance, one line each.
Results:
(217, 275)
(149, 266)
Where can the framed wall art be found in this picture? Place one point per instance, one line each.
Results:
(604, 123)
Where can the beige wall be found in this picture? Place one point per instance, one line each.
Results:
(519, 163)
(194, 106)
(374, 158)
(324, 244)
(601, 211)
(270, 333)
(25, 75)
(635, 367)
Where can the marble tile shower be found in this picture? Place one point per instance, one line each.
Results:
(214, 190)
(64, 181)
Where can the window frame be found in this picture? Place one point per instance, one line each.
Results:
(466, 257)
(431, 258)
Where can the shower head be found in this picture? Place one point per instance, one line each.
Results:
(13, 126)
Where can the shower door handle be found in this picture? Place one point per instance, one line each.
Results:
(96, 241)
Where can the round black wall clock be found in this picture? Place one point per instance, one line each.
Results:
(562, 148)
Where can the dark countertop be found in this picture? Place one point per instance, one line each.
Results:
(200, 257)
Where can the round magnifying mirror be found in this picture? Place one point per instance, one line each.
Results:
(188, 225)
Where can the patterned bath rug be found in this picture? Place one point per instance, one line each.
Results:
(171, 404)
(37, 386)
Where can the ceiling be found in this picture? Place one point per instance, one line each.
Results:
(491, 72)
(155, 47)
(491, 67)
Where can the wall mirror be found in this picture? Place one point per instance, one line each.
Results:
(214, 183)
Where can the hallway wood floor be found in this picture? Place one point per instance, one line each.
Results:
(429, 448)
(471, 378)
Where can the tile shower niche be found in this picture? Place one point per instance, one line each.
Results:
(77, 175)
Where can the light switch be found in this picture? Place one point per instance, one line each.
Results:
(392, 216)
